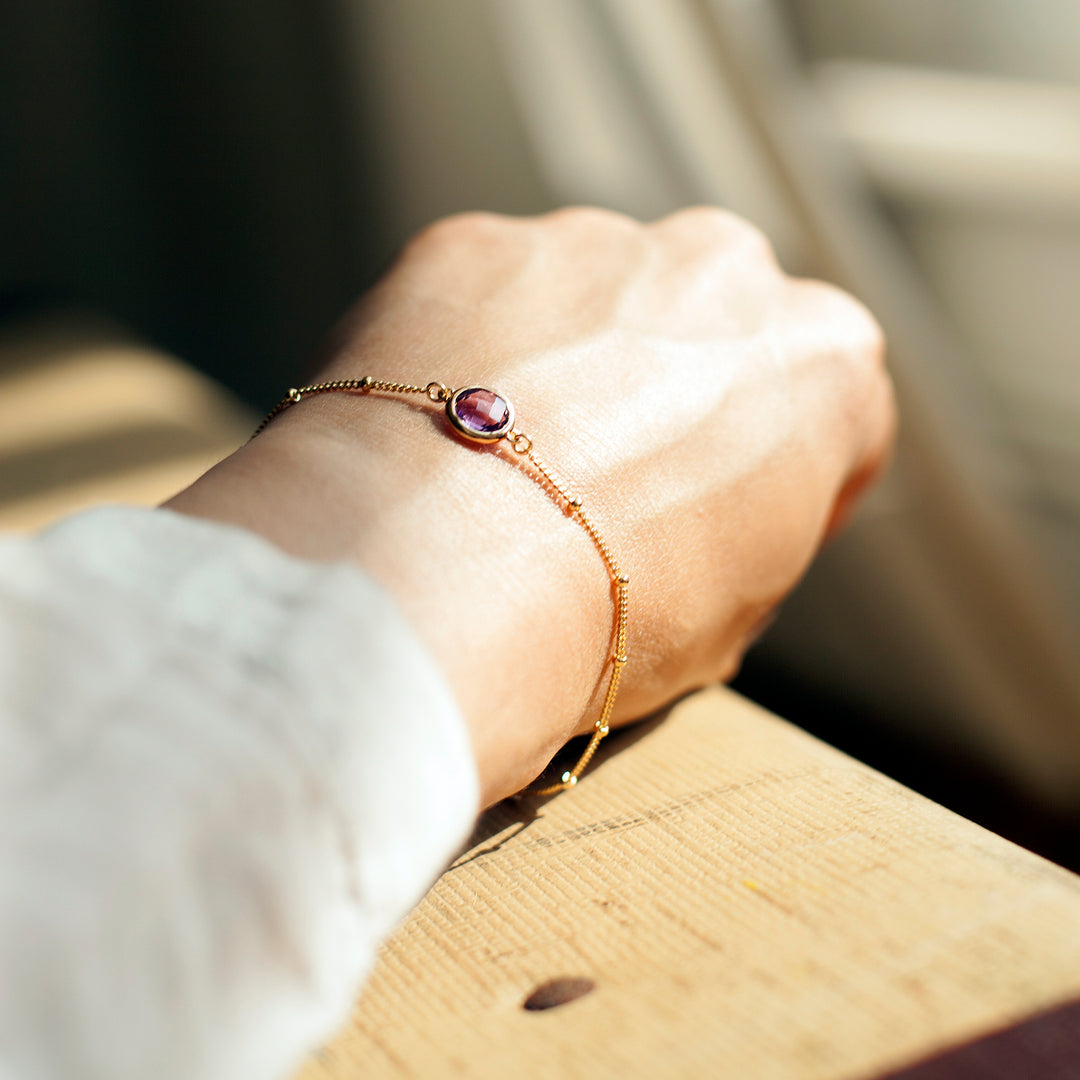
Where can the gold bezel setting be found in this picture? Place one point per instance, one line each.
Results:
(462, 427)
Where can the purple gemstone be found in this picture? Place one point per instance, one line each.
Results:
(482, 411)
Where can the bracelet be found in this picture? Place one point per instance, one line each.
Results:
(483, 416)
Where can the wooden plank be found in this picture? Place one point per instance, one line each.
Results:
(89, 415)
(747, 901)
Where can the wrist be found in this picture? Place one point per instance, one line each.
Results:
(503, 588)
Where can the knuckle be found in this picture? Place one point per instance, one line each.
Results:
(853, 323)
(719, 228)
(749, 238)
(856, 359)
(866, 334)
(703, 216)
(590, 217)
(471, 226)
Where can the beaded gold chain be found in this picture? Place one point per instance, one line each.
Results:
(483, 416)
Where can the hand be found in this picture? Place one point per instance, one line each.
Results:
(717, 417)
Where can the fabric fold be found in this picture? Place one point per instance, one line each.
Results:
(225, 774)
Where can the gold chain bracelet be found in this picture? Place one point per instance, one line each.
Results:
(484, 416)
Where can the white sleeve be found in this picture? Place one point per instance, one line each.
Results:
(224, 775)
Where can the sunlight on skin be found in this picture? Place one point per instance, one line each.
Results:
(714, 414)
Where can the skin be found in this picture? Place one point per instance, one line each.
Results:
(718, 418)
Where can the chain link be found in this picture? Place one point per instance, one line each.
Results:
(367, 383)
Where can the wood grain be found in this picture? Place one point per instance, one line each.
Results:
(749, 903)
